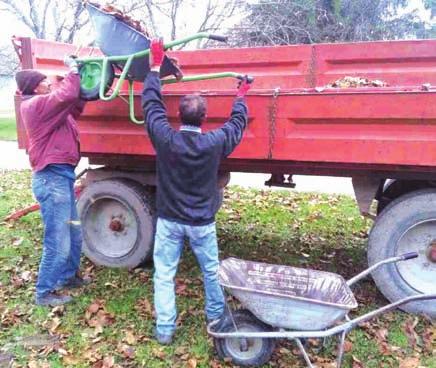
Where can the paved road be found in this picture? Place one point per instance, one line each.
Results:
(12, 158)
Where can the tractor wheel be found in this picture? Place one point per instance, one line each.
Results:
(118, 224)
(407, 224)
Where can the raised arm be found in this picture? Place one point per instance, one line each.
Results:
(235, 126)
(60, 102)
(155, 113)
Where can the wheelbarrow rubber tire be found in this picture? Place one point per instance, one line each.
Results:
(118, 223)
(90, 80)
(407, 224)
(259, 350)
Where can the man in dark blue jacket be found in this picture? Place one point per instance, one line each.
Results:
(187, 191)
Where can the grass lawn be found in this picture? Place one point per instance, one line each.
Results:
(110, 324)
(7, 129)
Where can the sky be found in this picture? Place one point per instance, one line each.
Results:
(10, 26)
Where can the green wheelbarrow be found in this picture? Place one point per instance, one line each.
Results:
(126, 50)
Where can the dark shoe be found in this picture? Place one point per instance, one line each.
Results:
(218, 323)
(52, 299)
(164, 339)
(76, 282)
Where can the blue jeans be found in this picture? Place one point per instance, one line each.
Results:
(168, 247)
(62, 238)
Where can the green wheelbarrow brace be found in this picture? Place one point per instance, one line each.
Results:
(127, 50)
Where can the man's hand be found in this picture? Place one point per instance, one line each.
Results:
(71, 62)
(243, 87)
(157, 54)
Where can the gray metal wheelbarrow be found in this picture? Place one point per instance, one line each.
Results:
(291, 303)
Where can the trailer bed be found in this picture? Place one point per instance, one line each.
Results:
(296, 125)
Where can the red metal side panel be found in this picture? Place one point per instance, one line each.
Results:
(371, 128)
(399, 63)
(48, 56)
(105, 129)
(284, 66)
(388, 126)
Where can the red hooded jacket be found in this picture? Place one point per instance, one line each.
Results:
(51, 126)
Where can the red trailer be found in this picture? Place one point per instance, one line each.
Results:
(382, 137)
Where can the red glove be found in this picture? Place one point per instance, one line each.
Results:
(243, 87)
(157, 53)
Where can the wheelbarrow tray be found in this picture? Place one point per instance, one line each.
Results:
(116, 38)
(288, 297)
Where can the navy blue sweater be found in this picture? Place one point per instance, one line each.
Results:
(187, 161)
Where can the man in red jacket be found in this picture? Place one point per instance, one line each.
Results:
(49, 119)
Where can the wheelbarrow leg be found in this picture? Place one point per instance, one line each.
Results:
(303, 351)
(341, 349)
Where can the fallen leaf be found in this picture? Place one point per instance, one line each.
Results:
(97, 331)
(108, 362)
(94, 307)
(59, 311)
(357, 363)
(144, 308)
(348, 346)
(192, 363)
(409, 329)
(429, 339)
(127, 351)
(26, 276)
(55, 323)
(412, 362)
(70, 360)
(159, 353)
(130, 338)
(17, 242)
(381, 334)
(181, 350)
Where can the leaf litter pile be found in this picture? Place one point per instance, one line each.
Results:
(120, 15)
(110, 323)
(355, 82)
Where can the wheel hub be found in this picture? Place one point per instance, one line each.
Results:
(110, 226)
(246, 348)
(419, 273)
(431, 252)
(116, 225)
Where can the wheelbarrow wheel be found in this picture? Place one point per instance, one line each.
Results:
(245, 352)
(91, 78)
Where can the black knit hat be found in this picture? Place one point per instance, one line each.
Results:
(28, 80)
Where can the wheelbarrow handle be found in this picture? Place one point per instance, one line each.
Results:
(218, 38)
(201, 77)
(402, 257)
(410, 255)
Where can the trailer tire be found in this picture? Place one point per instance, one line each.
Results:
(118, 223)
(259, 350)
(407, 224)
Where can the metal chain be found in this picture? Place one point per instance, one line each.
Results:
(272, 117)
